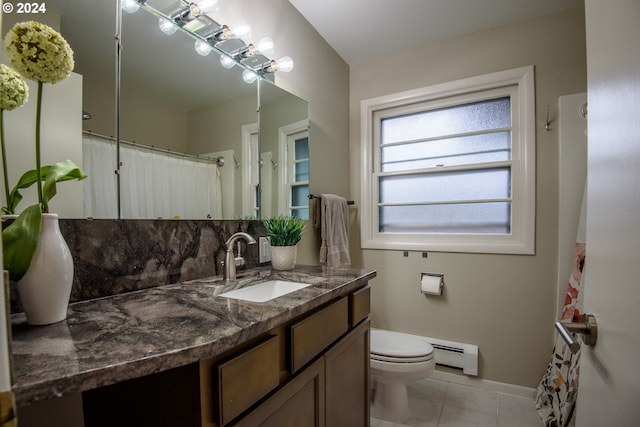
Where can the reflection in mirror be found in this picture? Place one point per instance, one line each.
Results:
(187, 103)
(173, 99)
(284, 145)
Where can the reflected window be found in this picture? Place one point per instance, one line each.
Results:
(294, 150)
(300, 182)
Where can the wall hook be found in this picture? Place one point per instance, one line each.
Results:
(547, 123)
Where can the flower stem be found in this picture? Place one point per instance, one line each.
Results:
(4, 159)
(43, 204)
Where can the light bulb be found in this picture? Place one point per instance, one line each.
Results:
(265, 45)
(207, 5)
(166, 26)
(227, 62)
(203, 48)
(285, 64)
(130, 6)
(242, 31)
(249, 76)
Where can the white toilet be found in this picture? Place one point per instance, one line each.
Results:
(397, 359)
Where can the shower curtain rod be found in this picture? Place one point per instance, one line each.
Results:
(218, 160)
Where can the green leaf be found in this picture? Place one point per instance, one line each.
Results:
(284, 230)
(61, 171)
(26, 180)
(20, 240)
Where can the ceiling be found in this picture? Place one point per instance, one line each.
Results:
(357, 29)
(360, 30)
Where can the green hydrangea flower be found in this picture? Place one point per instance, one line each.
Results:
(38, 52)
(14, 91)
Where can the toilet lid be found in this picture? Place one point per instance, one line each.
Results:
(387, 345)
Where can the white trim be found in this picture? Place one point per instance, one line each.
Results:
(522, 239)
(247, 185)
(516, 390)
(284, 172)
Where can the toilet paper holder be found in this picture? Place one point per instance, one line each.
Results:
(431, 283)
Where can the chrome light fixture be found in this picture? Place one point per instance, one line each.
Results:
(192, 17)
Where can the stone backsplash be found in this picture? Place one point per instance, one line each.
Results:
(116, 256)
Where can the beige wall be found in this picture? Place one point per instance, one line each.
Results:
(321, 77)
(503, 303)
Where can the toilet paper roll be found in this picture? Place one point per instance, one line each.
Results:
(431, 283)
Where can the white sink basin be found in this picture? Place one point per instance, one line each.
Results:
(265, 291)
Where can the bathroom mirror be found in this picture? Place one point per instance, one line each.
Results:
(284, 143)
(173, 99)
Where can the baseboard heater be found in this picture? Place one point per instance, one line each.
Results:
(455, 355)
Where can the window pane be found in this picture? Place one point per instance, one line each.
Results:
(477, 116)
(302, 148)
(300, 213)
(300, 195)
(470, 218)
(447, 152)
(302, 172)
(446, 186)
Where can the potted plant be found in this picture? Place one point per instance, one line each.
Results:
(35, 253)
(284, 233)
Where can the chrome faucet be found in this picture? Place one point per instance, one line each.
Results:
(230, 259)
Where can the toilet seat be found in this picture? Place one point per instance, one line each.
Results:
(389, 346)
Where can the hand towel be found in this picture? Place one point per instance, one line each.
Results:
(334, 230)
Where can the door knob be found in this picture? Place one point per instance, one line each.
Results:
(588, 327)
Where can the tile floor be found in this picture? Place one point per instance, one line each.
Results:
(436, 403)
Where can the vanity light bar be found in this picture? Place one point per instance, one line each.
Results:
(222, 33)
(191, 18)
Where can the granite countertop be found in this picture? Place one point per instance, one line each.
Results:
(112, 339)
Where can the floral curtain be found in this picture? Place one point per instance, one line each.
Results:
(557, 392)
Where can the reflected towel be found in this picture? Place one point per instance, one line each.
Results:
(333, 218)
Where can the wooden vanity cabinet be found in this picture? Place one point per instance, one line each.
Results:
(299, 403)
(333, 390)
(347, 380)
(314, 333)
(312, 371)
(246, 378)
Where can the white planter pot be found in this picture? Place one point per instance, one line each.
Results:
(45, 288)
(283, 257)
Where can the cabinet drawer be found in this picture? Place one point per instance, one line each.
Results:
(359, 305)
(299, 403)
(246, 378)
(316, 332)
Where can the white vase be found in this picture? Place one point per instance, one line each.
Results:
(45, 288)
(283, 257)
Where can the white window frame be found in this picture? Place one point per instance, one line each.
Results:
(287, 136)
(521, 240)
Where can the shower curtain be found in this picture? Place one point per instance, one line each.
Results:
(152, 184)
(557, 392)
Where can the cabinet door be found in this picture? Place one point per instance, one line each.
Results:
(347, 380)
(299, 403)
